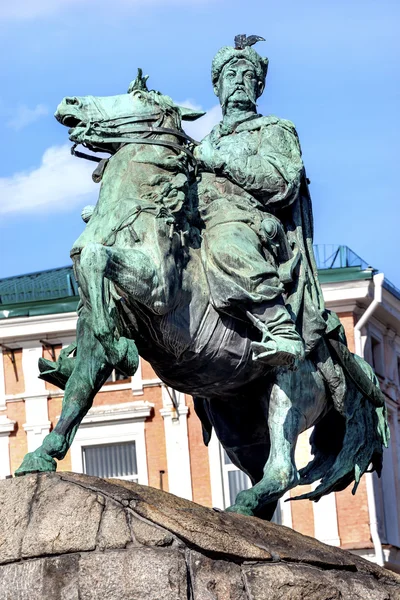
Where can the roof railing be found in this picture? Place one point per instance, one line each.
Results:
(333, 256)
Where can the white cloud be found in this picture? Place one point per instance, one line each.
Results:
(200, 128)
(23, 116)
(61, 182)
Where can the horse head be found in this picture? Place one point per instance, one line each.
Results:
(104, 122)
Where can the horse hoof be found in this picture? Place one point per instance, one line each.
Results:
(240, 510)
(36, 462)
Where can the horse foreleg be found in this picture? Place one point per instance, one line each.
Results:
(91, 270)
(90, 372)
(285, 423)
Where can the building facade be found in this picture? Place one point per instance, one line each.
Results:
(139, 429)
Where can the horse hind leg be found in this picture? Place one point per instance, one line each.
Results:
(285, 423)
(90, 372)
(242, 432)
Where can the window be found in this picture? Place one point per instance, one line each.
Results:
(111, 442)
(376, 355)
(117, 376)
(111, 460)
(234, 479)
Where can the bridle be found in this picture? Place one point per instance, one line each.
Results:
(108, 127)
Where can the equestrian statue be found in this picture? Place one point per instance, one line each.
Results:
(199, 258)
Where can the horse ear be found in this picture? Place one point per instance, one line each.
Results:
(188, 114)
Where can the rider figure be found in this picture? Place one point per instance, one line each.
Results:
(257, 172)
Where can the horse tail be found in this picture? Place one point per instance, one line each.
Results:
(345, 445)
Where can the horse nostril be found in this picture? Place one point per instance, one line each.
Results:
(74, 101)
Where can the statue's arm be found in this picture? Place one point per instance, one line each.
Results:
(274, 172)
(271, 171)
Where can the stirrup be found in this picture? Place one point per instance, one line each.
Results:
(273, 357)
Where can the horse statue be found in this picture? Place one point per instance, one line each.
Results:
(143, 291)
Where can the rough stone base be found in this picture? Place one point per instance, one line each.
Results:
(74, 537)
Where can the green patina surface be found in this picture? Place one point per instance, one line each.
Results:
(199, 257)
(56, 290)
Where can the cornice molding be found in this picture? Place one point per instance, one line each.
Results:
(126, 411)
(6, 425)
(170, 411)
(25, 328)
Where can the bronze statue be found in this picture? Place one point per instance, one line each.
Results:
(199, 258)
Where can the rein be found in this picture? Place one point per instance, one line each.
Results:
(144, 140)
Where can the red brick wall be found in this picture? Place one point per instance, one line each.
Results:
(14, 377)
(147, 371)
(155, 440)
(353, 517)
(199, 464)
(348, 322)
(115, 396)
(47, 354)
(54, 409)
(302, 510)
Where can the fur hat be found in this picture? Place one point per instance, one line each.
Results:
(227, 54)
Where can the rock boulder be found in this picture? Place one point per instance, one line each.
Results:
(65, 536)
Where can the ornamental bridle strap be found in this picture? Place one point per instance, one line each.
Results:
(148, 130)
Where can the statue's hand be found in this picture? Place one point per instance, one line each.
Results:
(208, 157)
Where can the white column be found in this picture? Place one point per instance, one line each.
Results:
(216, 473)
(177, 444)
(2, 382)
(286, 510)
(137, 381)
(325, 520)
(37, 424)
(6, 427)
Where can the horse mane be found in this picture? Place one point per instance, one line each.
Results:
(165, 103)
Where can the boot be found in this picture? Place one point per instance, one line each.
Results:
(281, 344)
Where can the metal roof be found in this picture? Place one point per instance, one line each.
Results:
(34, 287)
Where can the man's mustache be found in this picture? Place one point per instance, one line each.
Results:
(237, 89)
(241, 88)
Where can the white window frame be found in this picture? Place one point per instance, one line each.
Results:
(113, 378)
(134, 383)
(113, 424)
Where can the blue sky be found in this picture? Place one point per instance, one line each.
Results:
(334, 71)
